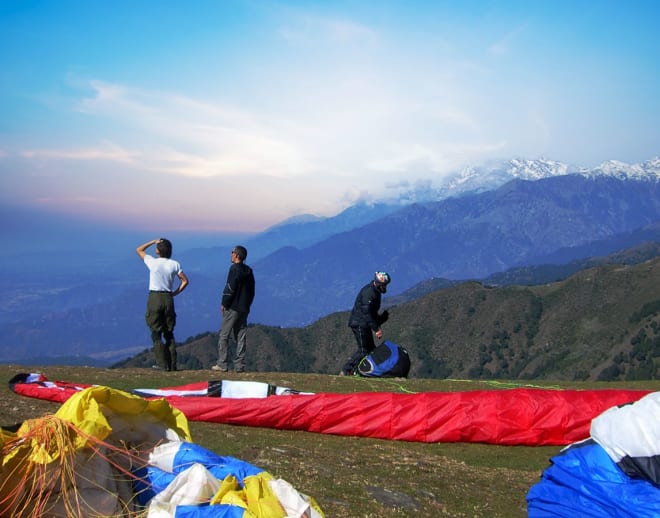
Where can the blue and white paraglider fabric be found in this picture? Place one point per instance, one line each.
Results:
(616, 472)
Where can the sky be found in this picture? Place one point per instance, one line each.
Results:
(236, 115)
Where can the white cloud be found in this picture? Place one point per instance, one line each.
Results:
(194, 138)
(346, 128)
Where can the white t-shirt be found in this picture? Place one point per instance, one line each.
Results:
(161, 272)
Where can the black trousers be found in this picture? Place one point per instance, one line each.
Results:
(364, 338)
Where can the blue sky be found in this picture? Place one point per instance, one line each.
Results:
(234, 115)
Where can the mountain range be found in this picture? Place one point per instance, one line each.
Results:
(469, 237)
(477, 225)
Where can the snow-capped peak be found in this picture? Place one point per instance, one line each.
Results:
(495, 173)
(649, 170)
(536, 169)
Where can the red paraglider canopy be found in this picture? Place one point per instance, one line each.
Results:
(519, 416)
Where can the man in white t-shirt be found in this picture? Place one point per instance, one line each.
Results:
(160, 315)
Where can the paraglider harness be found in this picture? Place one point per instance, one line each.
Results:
(388, 360)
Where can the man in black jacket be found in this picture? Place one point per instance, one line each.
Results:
(237, 298)
(365, 320)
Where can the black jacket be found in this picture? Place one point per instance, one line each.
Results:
(239, 290)
(365, 309)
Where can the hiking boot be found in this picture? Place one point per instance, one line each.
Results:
(218, 368)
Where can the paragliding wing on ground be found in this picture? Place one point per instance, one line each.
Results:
(519, 416)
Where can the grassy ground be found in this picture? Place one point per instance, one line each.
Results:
(348, 476)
